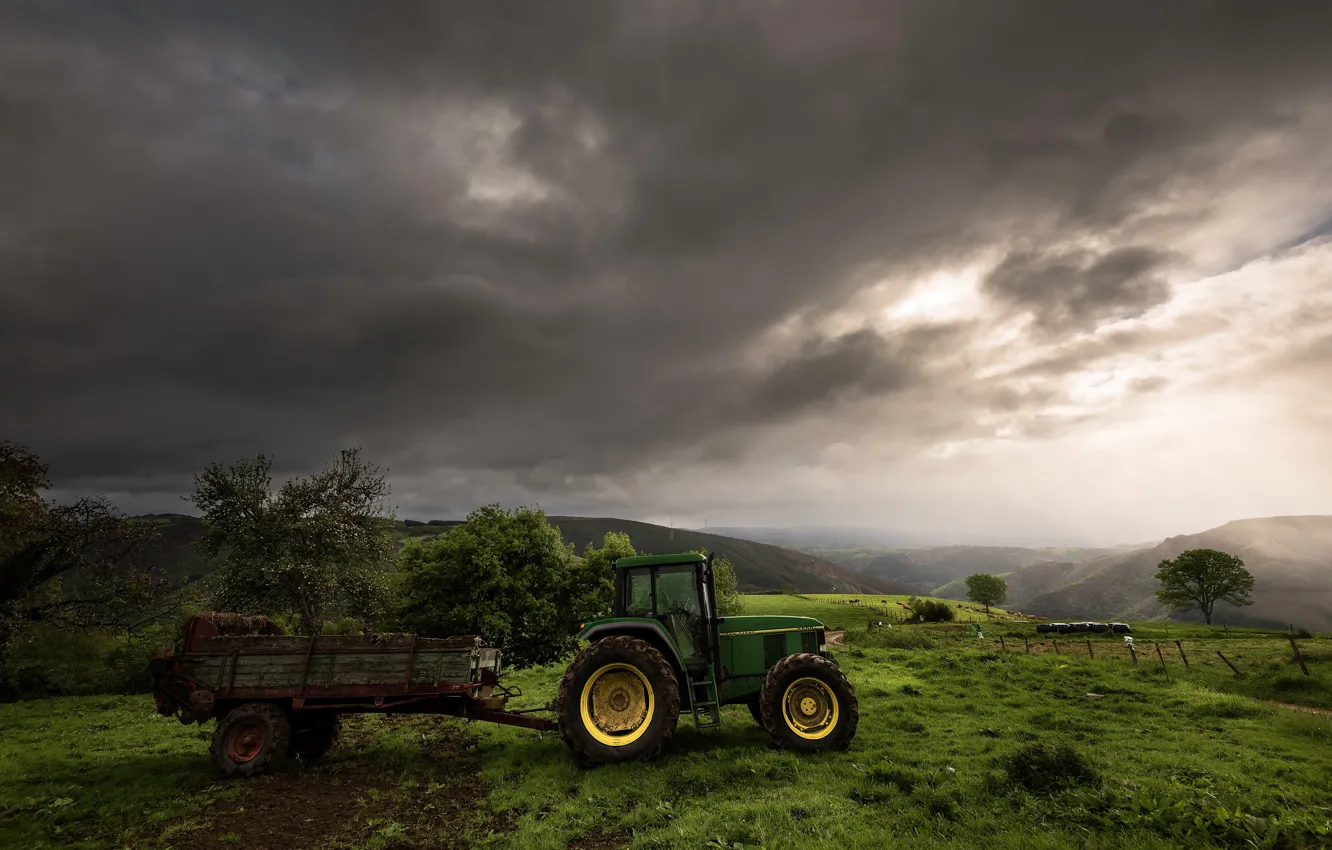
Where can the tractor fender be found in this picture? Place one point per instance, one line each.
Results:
(648, 630)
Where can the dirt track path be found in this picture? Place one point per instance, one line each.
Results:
(1305, 708)
(835, 637)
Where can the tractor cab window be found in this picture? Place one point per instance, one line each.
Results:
(678, 607)
(639, 597)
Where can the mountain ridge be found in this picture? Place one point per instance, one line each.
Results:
(759, 566)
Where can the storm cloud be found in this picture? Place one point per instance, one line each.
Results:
(665, 258)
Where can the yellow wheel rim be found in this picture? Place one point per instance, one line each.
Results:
(617, 705)
(810, 708)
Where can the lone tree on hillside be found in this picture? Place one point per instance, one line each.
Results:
(1200, 577)
(314, 544)
(985, 589)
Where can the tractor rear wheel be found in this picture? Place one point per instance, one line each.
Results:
(809, 705)
(249, 738)
(618, 701)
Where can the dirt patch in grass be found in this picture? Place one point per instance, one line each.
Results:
(1323, 712)
(600, 839)
(403, 783)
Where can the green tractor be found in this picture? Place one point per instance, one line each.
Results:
(666, 650)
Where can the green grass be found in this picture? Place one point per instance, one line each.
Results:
(832, 608)
(87, 771)
(930, 767)
(960, 744)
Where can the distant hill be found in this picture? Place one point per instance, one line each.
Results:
(938, 570)
(758, 566)
(1290, 558)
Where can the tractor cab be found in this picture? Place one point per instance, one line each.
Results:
(678, 592)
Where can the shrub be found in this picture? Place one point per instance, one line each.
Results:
(1041, 767)
(930, 611)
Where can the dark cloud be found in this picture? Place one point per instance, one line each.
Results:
(1073, 290)
(538, 240)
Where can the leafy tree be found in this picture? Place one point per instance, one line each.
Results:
(1198, 578)
(987, 590)
(594, 577)
(72, 565)
(313, 546)
(507, 576)
(729, 602)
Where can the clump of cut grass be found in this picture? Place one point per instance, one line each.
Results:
(1041, 767)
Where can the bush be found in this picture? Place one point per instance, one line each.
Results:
(507, 576)
(930, 611)
(1042, 767)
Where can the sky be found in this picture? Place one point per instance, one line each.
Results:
(1043, 270)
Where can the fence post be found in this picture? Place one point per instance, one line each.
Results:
(1162, 657)
(1228, 664)
(1002, 648)
(1026, 643)
(1298, 656)
(1090, 654)
(1133, 654)
(1180, 647)
(1055, 641)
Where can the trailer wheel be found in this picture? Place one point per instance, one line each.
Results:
(312, 739)
(618, 701)
(249, 738)
(809, 705)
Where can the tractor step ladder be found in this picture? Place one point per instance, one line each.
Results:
(707, 711)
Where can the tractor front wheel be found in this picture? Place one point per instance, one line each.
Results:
(808, 705)
(618, 701)
(249, 738)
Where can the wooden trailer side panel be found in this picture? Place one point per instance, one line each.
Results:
(297, 664)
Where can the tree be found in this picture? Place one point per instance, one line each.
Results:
(726, 582)
(987, 590)
(507, 576)
(1199, 578)
(70, 565)
(308, 548)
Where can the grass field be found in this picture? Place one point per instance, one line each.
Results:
(833, 610)
(955, 742)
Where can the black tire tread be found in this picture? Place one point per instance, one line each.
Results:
(568, 717)
(756, 711)
(312, 741)
(771, 695)
(279, 741)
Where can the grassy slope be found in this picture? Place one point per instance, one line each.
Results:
(835, 614)
(924, 770)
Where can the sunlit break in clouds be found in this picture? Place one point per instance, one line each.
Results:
(1051, 271)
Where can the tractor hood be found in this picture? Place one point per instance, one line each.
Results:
(766, 623)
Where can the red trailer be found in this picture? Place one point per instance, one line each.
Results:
(276, 695)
